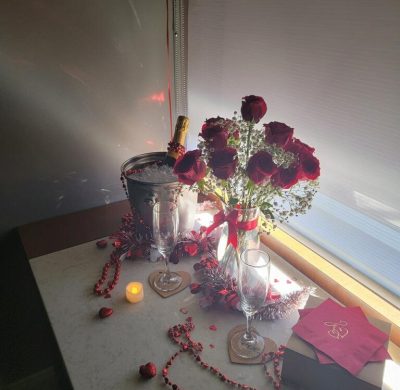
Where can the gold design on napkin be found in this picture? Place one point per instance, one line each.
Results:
(338, 329)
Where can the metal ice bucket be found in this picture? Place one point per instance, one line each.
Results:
(142, 195)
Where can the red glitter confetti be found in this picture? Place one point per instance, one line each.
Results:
(184, 310)
(212, 327)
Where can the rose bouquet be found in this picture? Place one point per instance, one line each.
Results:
(247, 167)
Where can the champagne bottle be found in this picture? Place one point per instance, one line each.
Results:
(176, 146)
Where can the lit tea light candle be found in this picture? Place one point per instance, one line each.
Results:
(134, 292)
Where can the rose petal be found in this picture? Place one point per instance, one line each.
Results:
(101, 244)
(212, 327)
(105, 312)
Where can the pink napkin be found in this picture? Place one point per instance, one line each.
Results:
(342, 334)
(380, 355)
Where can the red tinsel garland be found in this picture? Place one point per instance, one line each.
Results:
(133, 240)
(216, 287)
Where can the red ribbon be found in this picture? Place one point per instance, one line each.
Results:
(233, 225)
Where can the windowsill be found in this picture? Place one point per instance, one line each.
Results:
(335, 281)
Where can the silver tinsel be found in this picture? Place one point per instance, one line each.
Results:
(284, 305)
(214, 281)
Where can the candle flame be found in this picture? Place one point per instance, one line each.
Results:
(134, 290)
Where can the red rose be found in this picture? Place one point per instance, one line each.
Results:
(278, 133)
(223, 162)
(189, 168)
(297, 147)
(309, 167)
(253, 108)
(260, 167)
(286, 178)
(215, 132)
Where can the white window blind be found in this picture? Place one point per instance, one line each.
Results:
(330, 69)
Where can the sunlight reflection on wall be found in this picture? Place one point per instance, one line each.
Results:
(84, 88)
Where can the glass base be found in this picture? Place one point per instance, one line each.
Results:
(168, 282)
(247, 348)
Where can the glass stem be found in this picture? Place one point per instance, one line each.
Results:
(248, 336)
(167, 271)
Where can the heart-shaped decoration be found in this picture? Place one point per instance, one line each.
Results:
(105, 312)
(148, 370)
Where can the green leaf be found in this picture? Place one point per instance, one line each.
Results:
(268, 214)
(200, 184)
(265, 205)
(250, 185)
(233, 201)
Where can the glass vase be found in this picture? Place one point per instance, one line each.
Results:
(248, 238)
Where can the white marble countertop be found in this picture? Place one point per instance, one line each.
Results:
(106, 354)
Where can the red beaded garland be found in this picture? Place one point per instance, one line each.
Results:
(194, 348)
(116, 263)
(275, 357)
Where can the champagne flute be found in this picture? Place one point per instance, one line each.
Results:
(165, 233)
(253, 285)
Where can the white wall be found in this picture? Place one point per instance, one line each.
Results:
(80, 90)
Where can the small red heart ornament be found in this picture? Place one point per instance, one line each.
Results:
(105, 312)
(148, 370)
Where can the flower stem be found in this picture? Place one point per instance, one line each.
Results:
(250, 128)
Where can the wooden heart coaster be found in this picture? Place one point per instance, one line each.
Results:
(270, 346)
(186, 280)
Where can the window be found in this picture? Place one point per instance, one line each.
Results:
(330, 70)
